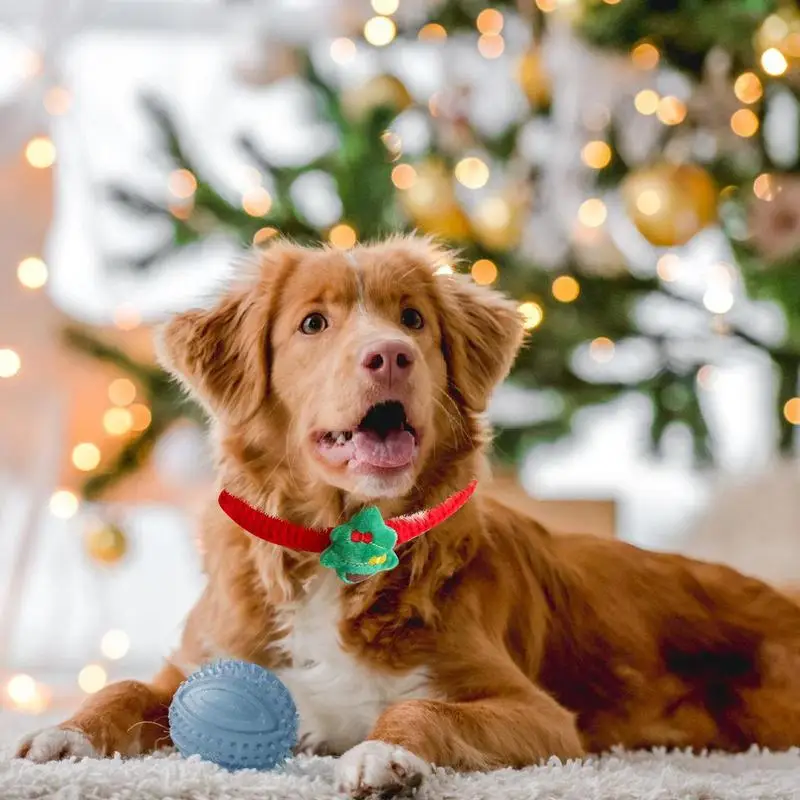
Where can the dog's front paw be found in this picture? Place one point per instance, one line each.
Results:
(379, 768)
(54, 744)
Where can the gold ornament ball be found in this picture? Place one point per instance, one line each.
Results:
(106, 544)
(382, 90)
(431, 202)
(534, 79)
(670, 203)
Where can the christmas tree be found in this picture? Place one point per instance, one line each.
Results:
(646, 135)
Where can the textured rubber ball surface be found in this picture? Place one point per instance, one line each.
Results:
(234, 714)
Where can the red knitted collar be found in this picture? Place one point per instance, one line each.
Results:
(337, 544)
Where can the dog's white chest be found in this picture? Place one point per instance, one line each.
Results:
(338, 697)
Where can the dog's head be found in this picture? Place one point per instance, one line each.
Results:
(358, 368)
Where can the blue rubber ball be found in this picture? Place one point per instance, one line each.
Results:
(235, 714)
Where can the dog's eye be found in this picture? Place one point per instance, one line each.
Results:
(313, 323)
(411, 318)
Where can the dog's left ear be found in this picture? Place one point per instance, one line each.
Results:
(481, 334)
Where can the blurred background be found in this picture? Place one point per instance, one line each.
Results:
(628, 169)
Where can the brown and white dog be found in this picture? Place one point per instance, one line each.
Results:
(336, 379)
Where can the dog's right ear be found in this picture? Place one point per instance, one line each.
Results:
(221, 354)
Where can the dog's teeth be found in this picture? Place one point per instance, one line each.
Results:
(340, 438)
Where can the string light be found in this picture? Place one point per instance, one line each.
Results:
(40, 152)
(182, 183)
(645, 56)
(379, 31)
(491, 45)
(121, 392)
(748, 88)
(490, 21)
(649, 202)
(671, 110)
(484, 272)
(342, 236)
(602, 349)
(718, 300)
(385, 6)
(115, 644)
(432, 32)
(26, 694)
(744, 123)
(343, 50)
(546, 5)
(404, 176)
(774, 62)
(63, 504)
(10, 363)
(181, 209)
(791, 411)
(126, 317)
(117, 421)
(565, 289)
(532, 315)
(763, 187)
(92, 678)
(592, 212)
(57, 101)
(141, 417)
(86, 456)
(646, 102)
(32, 273)
(256, 201)
(472, 172)
(668, 267)
(596, 154)
(445, 269)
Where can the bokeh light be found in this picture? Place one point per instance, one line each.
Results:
(342, 236)
(263, 235)
(115, 644)
(10, 363)
(182, 183)
(490, 21)
(117, 421)
(57, 101)
(565, 289)
(645, 56)
(122, 392)
(32, 272)
(744, 123)
(764, 187)
(646, 102)
(532, 314)
(40, 152)
(432, 32)
(491, 45)
(92, 678)
(385, 6)
(141, 417)
(748, 88)
(668, 267)
(379, 31)
(404, 176)
(86, 456)
(596, 154)
(484, 272)
(472, 172)
(774, 62)
(63, 504)
(602, 349)
(791, 411)
(343, 50)
(256, 201)
(592, 212)
(671, 110)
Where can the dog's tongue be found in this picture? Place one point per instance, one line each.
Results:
(395, 451)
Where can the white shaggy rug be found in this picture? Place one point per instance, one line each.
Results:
(619, 776)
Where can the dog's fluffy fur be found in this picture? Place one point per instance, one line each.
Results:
(492, 643)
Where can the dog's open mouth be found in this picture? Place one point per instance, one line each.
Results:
(383, 439)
